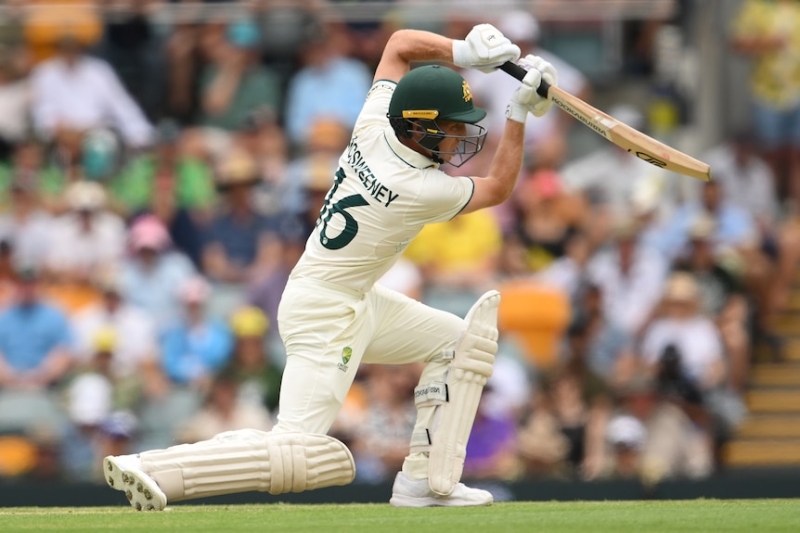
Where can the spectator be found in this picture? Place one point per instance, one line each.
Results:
(255, 369)
(492, 447)
(134, 361)
(136, 50)
(224, 412)
(237, 84)
(88, 238)
(593, 338)
(458, 259)
(546, 136)
(747, 181)
(736, 234)
(35, 340)
(381, 442)
(26, 226)
(74, 92)
(673, 444)
(241, 242)
(693, 335)
(27, 165)
(192, 188)
(263, 137)
(769, 33)
(35, 355)
(90, 399)
(326, 71)
(626, 437)
(8, 273)
(14, 103)
(630, 277)
(722, 298)
(749, 184)
(149, 277)
(324, 144)
(195, 347)
(735, 228)
(545, 218)
(562, 435)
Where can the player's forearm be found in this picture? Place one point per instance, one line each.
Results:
(507, 161)
(417, 45)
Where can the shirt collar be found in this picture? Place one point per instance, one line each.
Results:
(406, 154)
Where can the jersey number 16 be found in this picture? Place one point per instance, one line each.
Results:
(340, 208)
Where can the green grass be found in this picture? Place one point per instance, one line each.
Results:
(614, 517)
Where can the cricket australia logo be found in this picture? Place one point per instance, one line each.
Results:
(347, 353)
(467, 92)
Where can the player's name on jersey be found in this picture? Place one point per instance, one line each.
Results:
(374, 188)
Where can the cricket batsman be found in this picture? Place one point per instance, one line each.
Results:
(333, 316)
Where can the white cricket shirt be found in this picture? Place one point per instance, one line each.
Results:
(382, 196)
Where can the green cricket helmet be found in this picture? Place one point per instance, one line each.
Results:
(435, 93)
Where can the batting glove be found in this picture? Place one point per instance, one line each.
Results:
(485, 49)
(525, 99)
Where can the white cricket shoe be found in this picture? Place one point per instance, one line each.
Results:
(408, 492)
(124, 472)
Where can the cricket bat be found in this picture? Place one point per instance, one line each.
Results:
(624, 136)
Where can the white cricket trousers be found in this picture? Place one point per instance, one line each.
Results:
(329, 330)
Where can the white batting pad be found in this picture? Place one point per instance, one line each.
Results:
(245, 460)
(470, 368)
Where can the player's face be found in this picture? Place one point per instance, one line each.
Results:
(457, 132)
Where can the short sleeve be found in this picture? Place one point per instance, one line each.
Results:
(373, 114)
(441, 197)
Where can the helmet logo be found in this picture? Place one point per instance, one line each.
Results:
(428, 114)
(467, 92)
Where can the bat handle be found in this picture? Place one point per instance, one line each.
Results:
(512, 69)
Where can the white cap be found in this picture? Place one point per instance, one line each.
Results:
(85, 195)
(519, 26)
(626, 430)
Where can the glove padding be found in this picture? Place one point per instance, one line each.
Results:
(485, 49)
(525, 99)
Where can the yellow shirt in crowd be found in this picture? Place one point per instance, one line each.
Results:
(457, 244)
(776, 74)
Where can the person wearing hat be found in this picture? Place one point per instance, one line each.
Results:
(88, 237)
(694, 335)
(333, 315)
(722, 295)
(240, 242)
(133, 359)
(259, 376)
(194, 346)
(651, 437)
(236, 83)
(151, 273)
(630, 275)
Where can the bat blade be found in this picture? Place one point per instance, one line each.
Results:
(637, 143)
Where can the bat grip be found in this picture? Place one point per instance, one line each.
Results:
(512, 69)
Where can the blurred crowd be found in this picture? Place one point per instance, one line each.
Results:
(158, 182)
